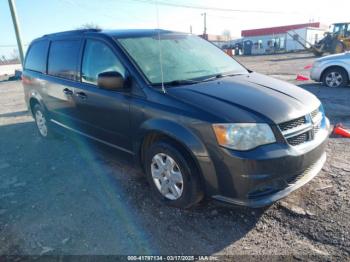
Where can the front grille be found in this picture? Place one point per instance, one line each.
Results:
(292, 124)
(302, 129)
(299, 139)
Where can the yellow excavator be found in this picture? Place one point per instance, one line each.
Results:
(334, 42)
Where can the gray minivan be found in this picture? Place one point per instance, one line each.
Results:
(198, 122)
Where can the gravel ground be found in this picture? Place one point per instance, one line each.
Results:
(68, 196)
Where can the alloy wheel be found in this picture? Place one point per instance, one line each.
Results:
(334, 79)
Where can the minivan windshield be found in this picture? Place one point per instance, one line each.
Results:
(184, 57)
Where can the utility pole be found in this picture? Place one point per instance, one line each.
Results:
(17, 31)
(205, 25)
(191, 29)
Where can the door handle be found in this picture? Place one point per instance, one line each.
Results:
(81, 95)
(68, 91)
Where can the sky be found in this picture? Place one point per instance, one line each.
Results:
(39, 17)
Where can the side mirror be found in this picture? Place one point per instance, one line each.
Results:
(111, 81)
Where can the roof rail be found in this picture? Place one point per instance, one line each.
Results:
(73, 32)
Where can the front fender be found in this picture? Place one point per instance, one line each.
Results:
(190, 141)
(329, 64)
(175, 131)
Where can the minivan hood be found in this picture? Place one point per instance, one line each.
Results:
(248, 98)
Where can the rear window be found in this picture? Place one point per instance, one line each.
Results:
(63, 59)
(36, 57)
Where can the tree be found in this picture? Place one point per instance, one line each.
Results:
(15, 55)
(3, 58)
(90, 26)
(227, 34)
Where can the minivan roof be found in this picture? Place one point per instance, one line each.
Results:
(122, 33)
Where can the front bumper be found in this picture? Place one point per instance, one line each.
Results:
(260, 177)
(305, 177)
(315, 73)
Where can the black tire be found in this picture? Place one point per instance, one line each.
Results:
(192, 190)
(337, 47)
(338, 72)
(37, 111)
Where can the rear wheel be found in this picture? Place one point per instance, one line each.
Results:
(335, 77)
(41, 121)
(173, 178)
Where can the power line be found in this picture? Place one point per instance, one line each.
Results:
(91, 9)
(202, 7)
(223, 17)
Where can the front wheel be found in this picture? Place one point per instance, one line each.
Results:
(172, 176)
(335, 77)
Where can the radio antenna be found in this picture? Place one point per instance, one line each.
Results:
(160, 48)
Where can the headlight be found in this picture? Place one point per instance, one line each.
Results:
(243, 136)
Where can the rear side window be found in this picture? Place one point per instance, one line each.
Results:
(63, 59)
(36, 57)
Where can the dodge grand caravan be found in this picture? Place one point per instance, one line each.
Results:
(199, 123)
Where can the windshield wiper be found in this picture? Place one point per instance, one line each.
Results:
(178, 83)
(192, 82)
(220, 76)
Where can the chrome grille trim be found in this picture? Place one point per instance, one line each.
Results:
(297, 130)
(302, 129)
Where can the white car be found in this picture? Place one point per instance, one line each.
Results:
(332, 70)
